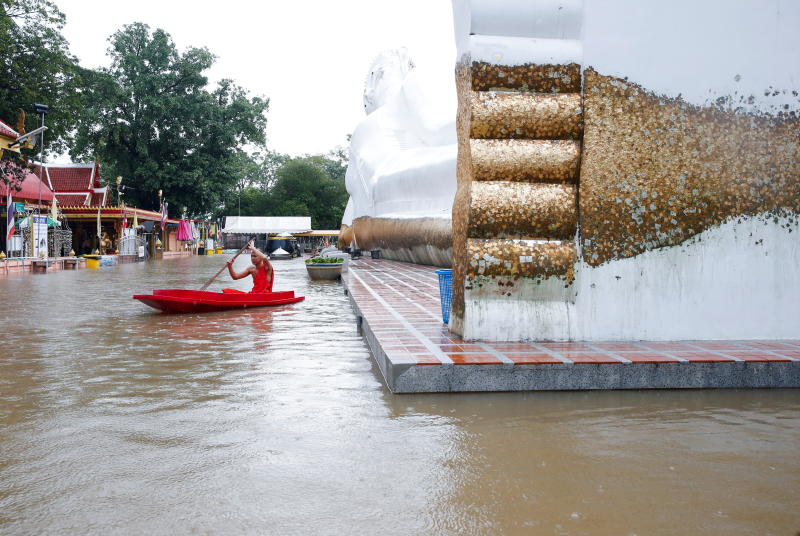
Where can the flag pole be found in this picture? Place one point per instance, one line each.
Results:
(98, 228)
(161, 216)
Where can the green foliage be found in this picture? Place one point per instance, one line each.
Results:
(300, 187)
(267, 166)
(303, 188)
(150, 119)
(325, 260)
(253, 201)
(37, 66)
(334, 163)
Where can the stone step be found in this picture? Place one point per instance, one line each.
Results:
(520, 115)
(525, 160)
(503, 209)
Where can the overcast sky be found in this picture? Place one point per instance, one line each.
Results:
(310, 57)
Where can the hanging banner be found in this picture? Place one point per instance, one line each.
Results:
(39, 235)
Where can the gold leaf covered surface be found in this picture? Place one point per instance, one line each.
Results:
(525, 160)
(517, 258)
(526, 115)
(505, 209)
(529, 77)
(657, 171)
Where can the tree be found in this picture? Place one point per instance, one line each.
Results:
(248, 173)
(300, 187)
(334, 163)
(269, 163)
(151, 120)
(303, 188)
(37, 66)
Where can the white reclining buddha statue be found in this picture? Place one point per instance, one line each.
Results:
(402, 171)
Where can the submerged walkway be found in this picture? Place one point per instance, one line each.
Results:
(398, 308)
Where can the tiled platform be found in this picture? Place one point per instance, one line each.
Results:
(398, 307)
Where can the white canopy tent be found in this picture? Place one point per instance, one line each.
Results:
(266, 224)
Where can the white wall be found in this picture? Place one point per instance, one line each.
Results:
(516, 32)
(701, 50)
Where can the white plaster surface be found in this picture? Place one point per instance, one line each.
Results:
(403, 154)
(734, 281)
(554, 19)
(462, 26)
(516, 32)
(699, 50)
(522, 50)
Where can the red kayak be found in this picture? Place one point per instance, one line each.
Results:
(199, 301)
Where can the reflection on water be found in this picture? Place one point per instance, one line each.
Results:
(116, 419)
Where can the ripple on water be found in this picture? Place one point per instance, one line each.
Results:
(119, 420)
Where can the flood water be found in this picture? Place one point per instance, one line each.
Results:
(115, 419)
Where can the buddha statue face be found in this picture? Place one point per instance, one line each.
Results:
(385, 77)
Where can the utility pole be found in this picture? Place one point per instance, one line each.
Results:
(42, 110)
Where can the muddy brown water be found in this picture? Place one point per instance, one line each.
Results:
(118, 420)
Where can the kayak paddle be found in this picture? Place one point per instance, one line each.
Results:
(226, 264)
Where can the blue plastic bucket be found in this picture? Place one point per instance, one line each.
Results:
(445, 292)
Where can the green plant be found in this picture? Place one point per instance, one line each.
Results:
(325, 260)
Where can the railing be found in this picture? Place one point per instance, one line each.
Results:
(130, 244)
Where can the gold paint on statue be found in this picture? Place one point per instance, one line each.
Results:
(526, 160)
(462, 197)
(506, 209)
(530, 77)
(345, 236)
(538, 260)
(657, 171)
(526, 115)
(419, 240)
(392, 233)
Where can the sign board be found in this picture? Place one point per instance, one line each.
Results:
(19, 207)
(141, 252)
(39, 235)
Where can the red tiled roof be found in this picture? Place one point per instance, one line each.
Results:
(30, 190)
(69, 178)
(73, 177)
(7, 131)
(98, 199)
(71, 200)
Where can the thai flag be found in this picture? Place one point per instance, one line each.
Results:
(10, 227)
(124, 222)
(163, 214)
